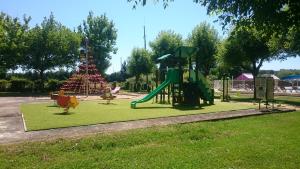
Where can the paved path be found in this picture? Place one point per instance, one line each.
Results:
(12, 130)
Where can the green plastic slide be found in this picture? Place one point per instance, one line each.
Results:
(205, 88)
(152, 94)
(172, 77)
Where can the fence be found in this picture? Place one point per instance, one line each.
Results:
(247, 86)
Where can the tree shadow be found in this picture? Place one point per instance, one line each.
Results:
(187, 107)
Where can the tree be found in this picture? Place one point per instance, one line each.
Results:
(102, 35)
(166, 42)
(12, 41)
(139, 63)
(247, 48)
(205, 38)
(276, 18)
(51, 45)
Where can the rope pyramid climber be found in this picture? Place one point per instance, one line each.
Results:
(87, 79)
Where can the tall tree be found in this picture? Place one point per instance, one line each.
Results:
(51, 45)
(166, 42)
(247, 48)
(13, 45)
(102, 35)
(276, 18)
(139, 63)
(205, 38)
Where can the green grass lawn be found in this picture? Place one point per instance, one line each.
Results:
(292, 100)
(45, 115)
(268, 141)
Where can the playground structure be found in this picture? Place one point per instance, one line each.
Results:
(87, 80)
(183, 92)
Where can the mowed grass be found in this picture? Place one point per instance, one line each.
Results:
(45, 115)
(261, 142)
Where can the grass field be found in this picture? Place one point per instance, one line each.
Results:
(46, 115)
(269, 141)
(291, 100)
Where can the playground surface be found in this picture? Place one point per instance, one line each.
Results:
(38, 116)
(12, 130)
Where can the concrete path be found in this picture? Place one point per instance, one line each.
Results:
(12, 130)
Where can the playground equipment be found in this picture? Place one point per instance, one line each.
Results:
(108, 95)
(66, 101)
(225, 89)
(186, 93)
(87, 80)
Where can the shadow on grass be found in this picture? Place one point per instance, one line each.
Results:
(289, 100)
(108, 104)
(52, 106)
(294, 103)
(188, 107)
(242, 99)
(154, 107)
(64, 113)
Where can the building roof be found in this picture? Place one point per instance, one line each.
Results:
(291, 77)
(245, 76)
(270, 75)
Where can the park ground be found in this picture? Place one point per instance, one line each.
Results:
(267, 141)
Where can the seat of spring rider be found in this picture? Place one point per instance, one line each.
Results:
(63, 101)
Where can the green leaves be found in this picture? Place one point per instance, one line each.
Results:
(51, 45)
(13, 34)
(102, 35)
(139, 62)
(166, 42)
(205, 38)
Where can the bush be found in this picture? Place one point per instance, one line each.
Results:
(53, 84)
(3, 85)
(20, 85)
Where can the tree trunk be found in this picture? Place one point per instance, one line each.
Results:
(136, 83)
(42, 78)
(254, 74)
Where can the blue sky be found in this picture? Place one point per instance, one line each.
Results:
(181, 16)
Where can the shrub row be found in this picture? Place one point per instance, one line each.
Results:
(25, 85)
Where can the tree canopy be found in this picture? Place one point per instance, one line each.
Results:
(205, 38)
(13, 45)
(166, 42)
(102, 35)
(51, 45)
(139, 63)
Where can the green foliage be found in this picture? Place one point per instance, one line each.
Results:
(20, 85)
(139, 63)
(166, 42)
(53, 84)
(3, 85)
(102, 35)
(286, 72)
(13, 45)
(51, 45)
(247, 48)
(267, 14)
(205, 38)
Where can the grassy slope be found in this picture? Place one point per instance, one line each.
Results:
(269, 141)
(45, 115)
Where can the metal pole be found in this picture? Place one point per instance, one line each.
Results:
(86, 67)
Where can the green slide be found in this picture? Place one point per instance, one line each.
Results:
(172, 77)
(205, 88)
(152, 94)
